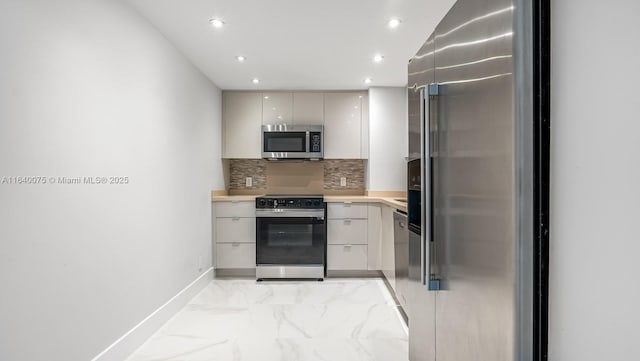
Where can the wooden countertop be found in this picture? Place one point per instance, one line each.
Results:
(235, 198)
(390, 201)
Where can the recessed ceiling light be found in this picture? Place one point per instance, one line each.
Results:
(378, 58)
(367, 80)
(216, 23)
(266, 97)
(255, 80)
(394, 22)
(240, 58)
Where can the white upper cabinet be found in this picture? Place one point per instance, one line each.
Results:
(345, 116)
(308, 108)
(364, 134)
(343, 125)
(241, 121)
(277, 108)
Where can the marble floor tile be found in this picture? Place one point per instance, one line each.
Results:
(237, 320)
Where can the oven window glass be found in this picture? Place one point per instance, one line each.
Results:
(290, 241)
(289, 235)
(285, 142)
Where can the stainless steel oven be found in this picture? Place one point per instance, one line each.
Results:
(290, 237)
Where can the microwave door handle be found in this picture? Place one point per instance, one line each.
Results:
(308, 142)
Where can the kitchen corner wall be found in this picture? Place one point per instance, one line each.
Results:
(594, 287)
(322, 177)
(91, 89)
(388, 134)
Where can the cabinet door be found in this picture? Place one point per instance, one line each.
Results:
(344, 210)
(277, 108)
(387, 249)
(308, 108)
(374, 254)
(347, 231)
(234, 209)
(235, 230)
(364, 146)
(241, 120)
(342, 125)
(347, 257)
(235, 255)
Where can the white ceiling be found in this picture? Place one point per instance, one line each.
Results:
(297, 44)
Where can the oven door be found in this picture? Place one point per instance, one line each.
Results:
(290, 241)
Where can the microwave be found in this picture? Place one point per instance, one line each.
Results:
(283, 141)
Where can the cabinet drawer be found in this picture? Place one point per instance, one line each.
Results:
(346, 257)
(347, 231)
(346, 210)
(240, 230)
(235, 209)
(235, 255)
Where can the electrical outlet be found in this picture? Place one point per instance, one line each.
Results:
(343, 181)
(249, 181)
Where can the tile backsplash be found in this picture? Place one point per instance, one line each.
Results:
(240, 169)
(351, 169)
(297, 177)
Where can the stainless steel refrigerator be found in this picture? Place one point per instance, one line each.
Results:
(470, 186)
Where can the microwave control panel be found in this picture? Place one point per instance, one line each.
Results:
(316, 142)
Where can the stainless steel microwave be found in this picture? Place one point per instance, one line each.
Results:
(283, 141)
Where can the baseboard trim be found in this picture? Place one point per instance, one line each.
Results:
(134, 338)
(353, 273)
(236, 273)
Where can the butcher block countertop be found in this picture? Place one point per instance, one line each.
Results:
(388, 199)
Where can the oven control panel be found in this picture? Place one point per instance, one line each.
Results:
(289, 202)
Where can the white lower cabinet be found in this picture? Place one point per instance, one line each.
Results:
(235, 255)
(230, 230)
(245, 209)
(374, 256)
(234, 230)
(387, 246)
(347, 238)
(346, 257)
(346, 210)
(347, 231)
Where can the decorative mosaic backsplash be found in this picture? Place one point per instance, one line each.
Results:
(259, 169)
(351, 169)
(240, 169)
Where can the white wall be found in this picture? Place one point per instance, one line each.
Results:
(89, 88)
(387, 170)
(595, 181)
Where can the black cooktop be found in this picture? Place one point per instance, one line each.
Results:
(290, 201)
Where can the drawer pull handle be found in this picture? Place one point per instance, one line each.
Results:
(347, 204)
(347, 222)
(234, 245)
(235, 219)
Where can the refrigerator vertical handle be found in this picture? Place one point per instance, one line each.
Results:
(430, 134)
(425, 160)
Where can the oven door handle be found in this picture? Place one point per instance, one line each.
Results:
(285, 213)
